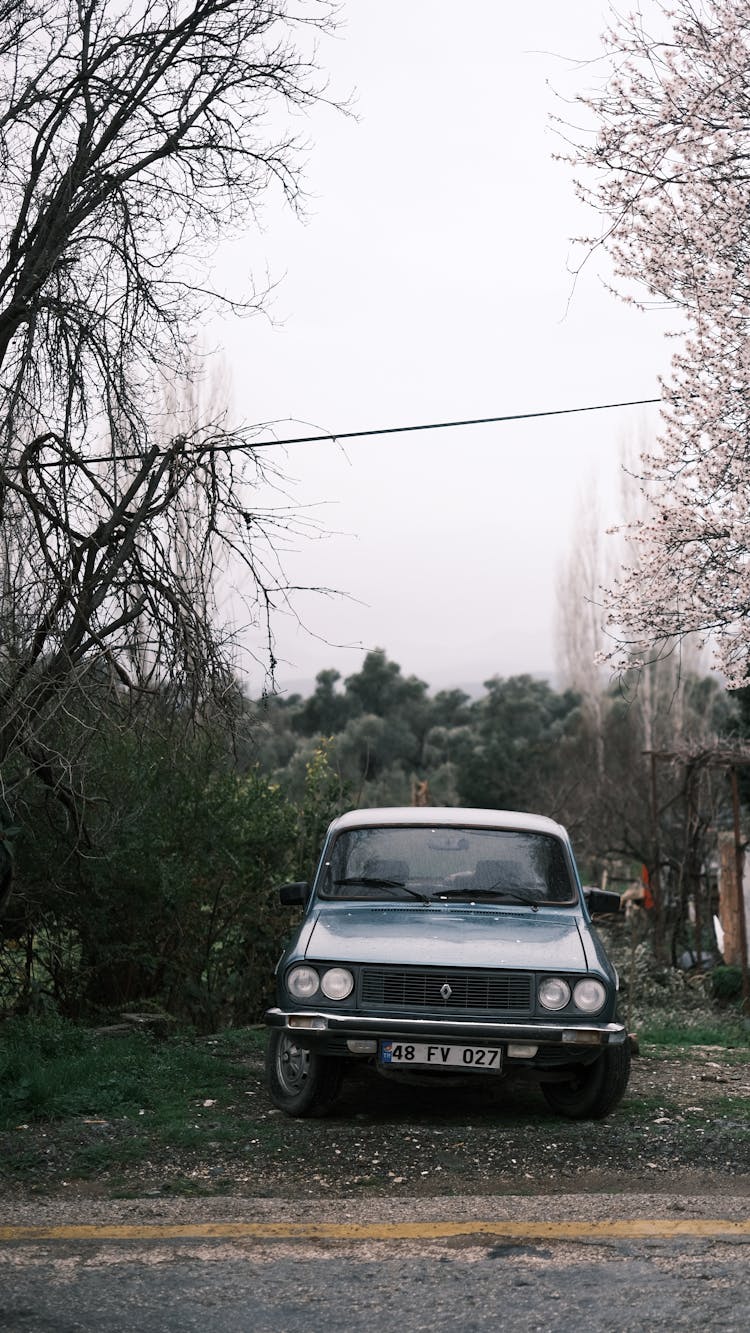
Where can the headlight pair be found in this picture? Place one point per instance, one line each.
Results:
(303, 982)
(589, 994)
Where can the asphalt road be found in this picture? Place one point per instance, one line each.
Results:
(597, 1262)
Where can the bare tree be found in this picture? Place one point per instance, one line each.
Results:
(579, 619)
(131, 138)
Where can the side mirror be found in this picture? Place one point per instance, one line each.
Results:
(294, 895)
(599, 901)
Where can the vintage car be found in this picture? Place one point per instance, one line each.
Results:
(439, 944)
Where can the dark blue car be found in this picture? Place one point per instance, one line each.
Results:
(442, 944)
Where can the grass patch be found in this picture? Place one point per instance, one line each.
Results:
(51, 1070)
(75, 1104)
(734, 1108)
(671, 1031)
(187, 1115)
(636, 1108)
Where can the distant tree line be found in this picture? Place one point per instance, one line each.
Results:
(170, 901)
(575, 754)
(581, 755)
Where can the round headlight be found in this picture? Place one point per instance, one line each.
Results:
(337, 983)
(589, 995)
(554, 993)
(302, 982)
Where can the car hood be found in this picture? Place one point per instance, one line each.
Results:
(456, 937)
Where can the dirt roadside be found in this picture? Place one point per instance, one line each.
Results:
(683, 1129)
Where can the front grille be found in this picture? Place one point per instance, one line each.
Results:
(475, 992)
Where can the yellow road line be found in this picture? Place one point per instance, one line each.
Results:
(632, 1229)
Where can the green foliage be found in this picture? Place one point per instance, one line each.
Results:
(326, 710)
(173, 897)
(52, 1069)
(726, 983)
(325, 796)
(513, 753)
(374, 730)
(173, 900)
(380, 688)
(168, 899)
(7, 834)
(672, 1027)
(383, 731)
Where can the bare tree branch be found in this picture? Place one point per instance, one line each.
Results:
(131, 139)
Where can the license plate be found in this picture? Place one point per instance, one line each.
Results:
(485, 1059)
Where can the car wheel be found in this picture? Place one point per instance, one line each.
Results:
(595, 1090)
(300, 1082)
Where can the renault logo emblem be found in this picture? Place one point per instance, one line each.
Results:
(446, 991)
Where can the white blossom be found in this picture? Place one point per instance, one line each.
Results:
(669, 170)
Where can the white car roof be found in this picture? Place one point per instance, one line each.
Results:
(449, 815)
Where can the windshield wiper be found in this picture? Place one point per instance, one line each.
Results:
(497, 894)
(376, 882)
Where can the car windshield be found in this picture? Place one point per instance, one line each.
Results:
(447, 864)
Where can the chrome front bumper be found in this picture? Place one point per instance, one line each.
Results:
(316, 1025)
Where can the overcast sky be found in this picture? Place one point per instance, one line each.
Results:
(432, 281)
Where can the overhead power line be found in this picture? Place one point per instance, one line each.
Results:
(377, 430)
(449, 425)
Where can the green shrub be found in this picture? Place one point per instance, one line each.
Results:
(172, 903)
(726, 983)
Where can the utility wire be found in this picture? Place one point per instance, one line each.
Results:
(377, 430)
(449, 425)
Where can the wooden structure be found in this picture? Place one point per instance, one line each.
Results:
(732, 915)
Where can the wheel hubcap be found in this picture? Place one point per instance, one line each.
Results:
(293, 1065)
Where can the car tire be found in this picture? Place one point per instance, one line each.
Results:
(301, 1083)
(595, 1090)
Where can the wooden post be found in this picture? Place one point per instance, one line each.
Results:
(694, 878)
(655, 878)
(739, 862)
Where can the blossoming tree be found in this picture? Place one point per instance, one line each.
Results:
(668, 168)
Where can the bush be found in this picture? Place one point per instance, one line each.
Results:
(726, 984)
(170, 901)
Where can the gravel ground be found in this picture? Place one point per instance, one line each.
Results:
(683, 1128)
